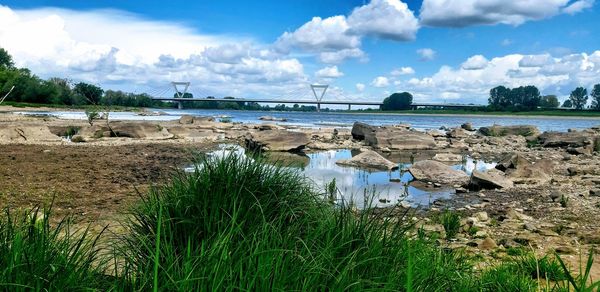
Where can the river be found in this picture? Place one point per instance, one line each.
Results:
(314, 119)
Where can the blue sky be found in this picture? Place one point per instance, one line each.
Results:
(439, 50)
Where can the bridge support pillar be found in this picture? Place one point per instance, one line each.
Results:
(318, 107)
(180, 105)
(349, 107)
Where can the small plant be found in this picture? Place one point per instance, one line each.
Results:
(564, 201)
(331, 189)
(451, 222)
(473, 230)
(91, 115)
(71, 131)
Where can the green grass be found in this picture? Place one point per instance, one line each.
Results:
(241, 224)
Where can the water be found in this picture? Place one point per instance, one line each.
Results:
(314, 119)
(364, 187)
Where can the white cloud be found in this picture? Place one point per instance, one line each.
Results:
(337, 38)
(318, 35)
(552, 75)
(476, 62)
(337, 57)
(462, 13)
(427, 54)
(403, 71)
(535, 60)
(329, 72)
(387, 19)
(360, 87)
(506, 42)
(118, 49)
(380, 82)
(578, 6)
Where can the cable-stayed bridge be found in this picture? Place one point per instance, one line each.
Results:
(312, 94)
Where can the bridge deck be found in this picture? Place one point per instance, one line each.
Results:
(332, 102)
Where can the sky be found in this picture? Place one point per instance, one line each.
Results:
(443, 51)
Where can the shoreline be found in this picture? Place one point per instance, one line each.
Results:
(45, 108)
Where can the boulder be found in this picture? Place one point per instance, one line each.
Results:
(369, 159)
(273, 119)
(276, 140)
(487, 244)
(573, 140)
(186, 119)
(392, 138)
(518, 130)
(467, 126)
(448, 157)
(539, 172)
(189, 119)
(142, 130)
(435, 133)
(458, 133)
(400, 139)
(437, 172)
(493, 179)
(18, 133)
(512, 161)
(361, 130)
(265, 127)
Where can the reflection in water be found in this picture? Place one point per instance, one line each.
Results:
(364, 187)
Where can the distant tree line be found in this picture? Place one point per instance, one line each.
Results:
(29, 88)
(527, 98)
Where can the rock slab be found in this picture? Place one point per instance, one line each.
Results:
(369, 159)
(437, 172)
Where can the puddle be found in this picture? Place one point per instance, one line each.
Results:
(363, 187)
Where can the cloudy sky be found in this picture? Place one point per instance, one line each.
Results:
(439, 50)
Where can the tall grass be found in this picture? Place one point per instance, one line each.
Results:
(34, 255)
(237, 223)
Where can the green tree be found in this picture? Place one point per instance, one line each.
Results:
(567, 104)
(549, 101)
(579, 97)
(397, 101)
(530, 97)
(64, 93)
(91, 93)
(500, 97)
(6, 60)
(596, 97)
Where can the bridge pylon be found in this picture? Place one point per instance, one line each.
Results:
(319, 97)
(178, 93)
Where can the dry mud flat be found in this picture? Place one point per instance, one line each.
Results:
(544, 194)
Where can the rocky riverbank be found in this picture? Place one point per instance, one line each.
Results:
(544, 193)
